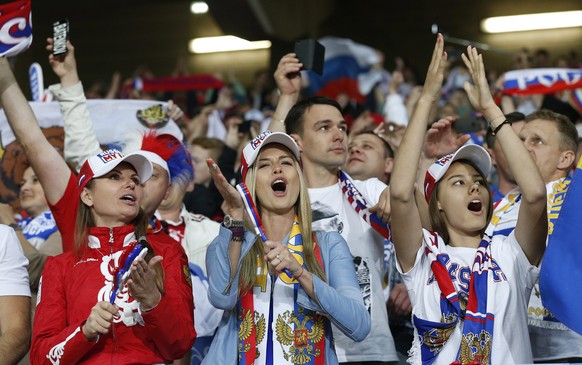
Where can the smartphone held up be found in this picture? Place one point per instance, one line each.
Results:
(311, 54)
(60, 37)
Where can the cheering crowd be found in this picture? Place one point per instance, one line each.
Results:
(279, 227)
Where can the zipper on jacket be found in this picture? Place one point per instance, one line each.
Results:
(113, 336)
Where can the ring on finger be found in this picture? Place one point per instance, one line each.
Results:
(278, 257)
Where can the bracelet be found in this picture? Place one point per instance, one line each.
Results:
(297, 277)
(15, 226)
(237, 233)
(496, 130)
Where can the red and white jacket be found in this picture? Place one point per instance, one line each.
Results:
(71, 285)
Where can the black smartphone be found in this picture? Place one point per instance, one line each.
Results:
(470, 124)
(244, 127)
(311, 54)
(60, 37)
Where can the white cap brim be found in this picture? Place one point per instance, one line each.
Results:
(139, 161)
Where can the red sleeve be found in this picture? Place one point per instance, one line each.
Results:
(171, 323)
(65, 214)
(53, 341)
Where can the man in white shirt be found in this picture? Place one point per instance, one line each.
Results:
(14, 299)
(320, 130)
(552, 140)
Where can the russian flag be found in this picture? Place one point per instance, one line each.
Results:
(346, 69)
(541, 81)
(561, 271)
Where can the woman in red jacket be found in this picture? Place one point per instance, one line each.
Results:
(85, 313)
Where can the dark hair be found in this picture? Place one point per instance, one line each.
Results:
(85, 220)
(295, 117)
(214, 145)
(512, 118)
(436, 216)
(388, 150)
(568, 132)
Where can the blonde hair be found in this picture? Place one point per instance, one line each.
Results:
(255, 255)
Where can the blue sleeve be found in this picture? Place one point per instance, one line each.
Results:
(223, 290)
(340, 299)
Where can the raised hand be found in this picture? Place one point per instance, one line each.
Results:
(479, 93)
(64, 66)
(441, 139)
(174, 111)
(435, 73)
(233, 203)
(287, 76)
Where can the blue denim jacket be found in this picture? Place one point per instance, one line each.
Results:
(340, 300)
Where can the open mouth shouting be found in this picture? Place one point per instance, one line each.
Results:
(279, 186)
(475, 205)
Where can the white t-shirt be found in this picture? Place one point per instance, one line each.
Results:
(13, 263)
(510, 336)
(332, 212)
(549, 340)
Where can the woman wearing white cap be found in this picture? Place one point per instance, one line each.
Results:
(87, 311)
(279, 296)
(469, 290)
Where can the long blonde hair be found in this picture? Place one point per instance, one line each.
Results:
(255, 255)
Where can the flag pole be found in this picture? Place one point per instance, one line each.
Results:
(465, 42)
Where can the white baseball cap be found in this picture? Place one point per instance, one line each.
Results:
(102, 163)
(251, 151)
(470, 152)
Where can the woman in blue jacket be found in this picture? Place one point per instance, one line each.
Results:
(279, 296)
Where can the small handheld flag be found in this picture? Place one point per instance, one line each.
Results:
(36, 82)
(254, 215)
(123, 274)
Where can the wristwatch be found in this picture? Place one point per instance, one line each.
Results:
(230, 222)
(235, 226)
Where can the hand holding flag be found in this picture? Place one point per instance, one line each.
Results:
(253, 214)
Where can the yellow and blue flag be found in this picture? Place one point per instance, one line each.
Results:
(561, 272)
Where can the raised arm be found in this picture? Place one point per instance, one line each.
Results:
(288, 80)
(531, 229)
(233, 205)
(80, 140)
(406, 223)
(51, 170)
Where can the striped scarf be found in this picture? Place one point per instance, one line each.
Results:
(360, 205)
(272, 327)
(38, 229)
(474, 308)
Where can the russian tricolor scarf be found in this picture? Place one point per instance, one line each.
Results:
(272, 327)
(474, 309)
(360, 205)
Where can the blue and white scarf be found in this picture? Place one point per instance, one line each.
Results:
(38, 229)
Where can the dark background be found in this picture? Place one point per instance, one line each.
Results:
(120, 35)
